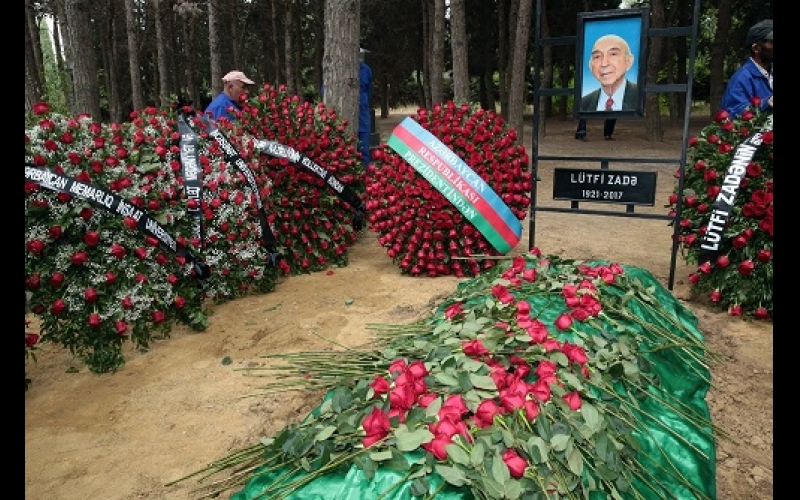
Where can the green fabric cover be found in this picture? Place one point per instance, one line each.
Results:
(660, 449)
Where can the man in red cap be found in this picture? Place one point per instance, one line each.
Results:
(227, 102)
(754, 77)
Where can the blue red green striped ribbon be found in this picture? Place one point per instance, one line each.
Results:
(457, 182)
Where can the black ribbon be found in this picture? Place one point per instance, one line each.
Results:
(232, 156)
(346, 193)
(192, 181)
(115, 204)
(725, 200)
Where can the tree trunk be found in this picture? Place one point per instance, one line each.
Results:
(34, 85)
(652, 107)
(161, 56)
(132, 31)
(719, 47)
(458, 36)
(84, 70)
(288, 46)
(436, 78)
(518, 68)
(547, 73)
(108, 51)
(214, 47)
(340, 62)
(502, 54)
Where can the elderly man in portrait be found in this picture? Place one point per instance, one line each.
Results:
(610, 60)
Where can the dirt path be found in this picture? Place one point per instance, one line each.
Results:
(169, 411)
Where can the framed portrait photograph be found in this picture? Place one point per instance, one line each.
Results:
(610, 67)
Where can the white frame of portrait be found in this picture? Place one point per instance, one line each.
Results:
(611, 21)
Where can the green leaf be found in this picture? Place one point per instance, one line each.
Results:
(325, 433)
(420, 487)
(482, 382)
(492, 487)
(410, 441)
(559, 442)
(380, 456)
(477, 453)
(499, 470)
(453, 475)
(630, 369)
(445, 379)
(559, 357)
(575, 462)
(513, 490)
(457, 454)
(591, 416)
(538, 449)
(226, 361)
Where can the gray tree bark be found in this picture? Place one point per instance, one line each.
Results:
(518, 67)
(132, 31)
(436, 78)
(458, 37)
(340, 61)
(215, 57)
(84, 69)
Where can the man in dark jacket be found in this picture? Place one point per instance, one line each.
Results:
(754, 77)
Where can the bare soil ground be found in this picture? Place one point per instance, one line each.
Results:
(171, 410)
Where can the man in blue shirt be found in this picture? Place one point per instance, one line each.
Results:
(754, 77)
(364, 107)
(227, 102)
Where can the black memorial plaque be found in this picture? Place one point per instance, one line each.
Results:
(605, 186)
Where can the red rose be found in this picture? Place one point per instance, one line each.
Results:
(735, 310)
(723, 261)
(41, 108)
(36, 247)
(158, 316)
(179, 302)
(117, 250)
(739, 242)
(761, 313)
(764, 255)
(90, 295)
(573, 400)
(58, 307)
(127, 303)
(121, 327)
(31, 339)
(715, 296)
(563, 322)
(79, 258)
(380, 385)
(57, 279)
(94, 320)
(484, 414)
(575, 353)
(33, 281)
(376, 425)
(746, 267)
(515, 463)
(91, 238)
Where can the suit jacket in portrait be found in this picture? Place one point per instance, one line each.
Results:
(630, 100)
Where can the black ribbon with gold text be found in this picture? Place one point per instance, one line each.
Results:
(115, 204)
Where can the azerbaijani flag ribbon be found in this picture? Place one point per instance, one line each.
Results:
(457, 182)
